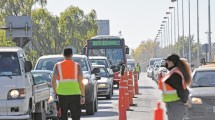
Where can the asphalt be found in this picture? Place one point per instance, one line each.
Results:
(146, 103)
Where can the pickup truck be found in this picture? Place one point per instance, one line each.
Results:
(47, 62)
(20, 98)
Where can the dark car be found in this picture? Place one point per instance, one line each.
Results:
(90, 81)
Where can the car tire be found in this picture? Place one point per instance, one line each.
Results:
(109, 96)
(90, 108)
(96, 105)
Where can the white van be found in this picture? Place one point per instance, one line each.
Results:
(20, 98)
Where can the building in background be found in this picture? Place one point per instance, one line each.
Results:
(103, 27)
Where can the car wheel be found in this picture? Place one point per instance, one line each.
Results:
(96, 105)
(109, 95)
(90, 108)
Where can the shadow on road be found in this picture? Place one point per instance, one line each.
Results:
(100, 114)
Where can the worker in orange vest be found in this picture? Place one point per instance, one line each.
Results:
(174, 87)
(70, 89)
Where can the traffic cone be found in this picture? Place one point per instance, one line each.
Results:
(158, 112)
(136, 82)
(127, 102)
(131, 89)
(122, 105)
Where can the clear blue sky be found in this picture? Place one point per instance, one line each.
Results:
(138, 19)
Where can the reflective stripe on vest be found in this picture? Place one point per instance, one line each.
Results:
(169, 94)
(68, 78)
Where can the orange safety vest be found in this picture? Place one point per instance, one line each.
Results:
(169, 94)
(68, 78)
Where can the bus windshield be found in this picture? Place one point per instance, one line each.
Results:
(115, 55)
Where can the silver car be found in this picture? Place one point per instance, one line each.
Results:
(202, 95)
(105, 84)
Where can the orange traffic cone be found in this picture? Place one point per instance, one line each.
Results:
(136, 82)
(131, 89)
(122, 105)
(158, 113)
(127, 102)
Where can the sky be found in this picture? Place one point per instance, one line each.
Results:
(140, 20)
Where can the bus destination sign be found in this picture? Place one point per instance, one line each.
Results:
(104, 43)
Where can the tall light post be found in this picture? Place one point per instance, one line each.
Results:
(178, 27)
(174, 24)
(171, 40)
(161, 36)
(168, 36)
(165, 31)
(190, 54)
(164, 36)
(183, 28)
(209, 31)
(198, 51)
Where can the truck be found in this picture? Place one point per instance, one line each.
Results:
(20, 97)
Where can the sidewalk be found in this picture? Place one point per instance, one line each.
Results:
(146, 101)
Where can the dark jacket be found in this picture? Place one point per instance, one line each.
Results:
(175, 81)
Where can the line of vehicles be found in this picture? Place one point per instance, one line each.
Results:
(27, 94)
(202, 95)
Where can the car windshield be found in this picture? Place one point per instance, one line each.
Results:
(115, 55)
(41, 77)
(204, 78)
(103, 72)
(49, 63)
(152, 62)
(9, 64)
(99, 62)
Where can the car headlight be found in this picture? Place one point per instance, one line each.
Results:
(16, 94)
(196, 100)
(51, 98)
(102, 85)
(85, 81)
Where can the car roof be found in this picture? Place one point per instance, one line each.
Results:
(130, 60)
(206, 67)
(41, 71)
(10, 49)
(97, 57)
(61, 56)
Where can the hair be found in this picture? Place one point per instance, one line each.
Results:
(184, 67)
(67, 52)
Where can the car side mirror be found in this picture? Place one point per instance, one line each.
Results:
(28, 66)
(113, 66)
(127, 50)
(111, 75)
(95, 71)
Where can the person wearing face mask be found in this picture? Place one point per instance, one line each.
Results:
(174, 87)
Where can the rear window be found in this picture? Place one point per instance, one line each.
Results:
(99, 62)
(9, 64)
(41, 77)
(49, 63)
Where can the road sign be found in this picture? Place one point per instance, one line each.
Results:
(18, 26)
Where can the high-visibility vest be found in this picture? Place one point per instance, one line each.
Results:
(169, 94)
(68, 78)
(137, 68)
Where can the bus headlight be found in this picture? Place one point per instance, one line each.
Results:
(85, 81)
(196, 100)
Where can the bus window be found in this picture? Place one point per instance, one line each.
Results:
(115, 55)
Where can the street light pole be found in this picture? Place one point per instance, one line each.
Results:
(178, 26)
(190, 57)
(174, 24)
(183, 28)
(171, 40)
(165, 36)
(168, 36)
(209, 31)
(198, 51)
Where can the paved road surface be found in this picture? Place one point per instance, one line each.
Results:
(146, 102)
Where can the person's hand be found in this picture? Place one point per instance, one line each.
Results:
(82, 101)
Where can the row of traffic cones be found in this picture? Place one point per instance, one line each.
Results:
(126, 93)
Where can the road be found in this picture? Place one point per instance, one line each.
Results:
(146, 102)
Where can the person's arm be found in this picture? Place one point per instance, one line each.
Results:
(54, 78)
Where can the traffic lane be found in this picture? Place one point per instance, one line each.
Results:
(147, 100)
(107, 109)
